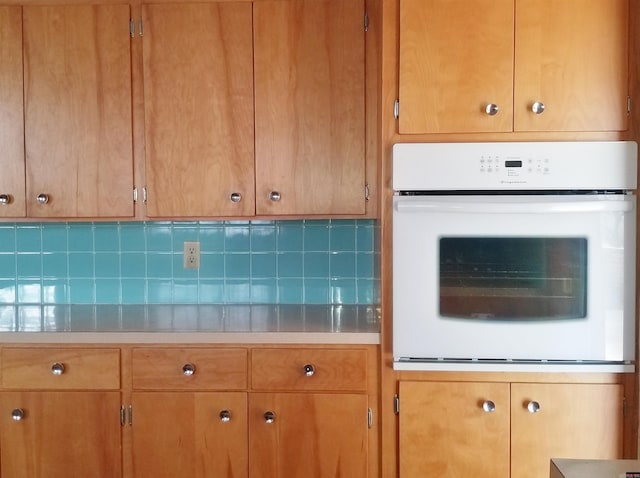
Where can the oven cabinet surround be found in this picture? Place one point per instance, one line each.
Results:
(59, 412)
(513, 65)
(290, 74)
(175, 410)
(67, 134)
(502, 429)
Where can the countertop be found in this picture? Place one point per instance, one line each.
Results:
(311, 324)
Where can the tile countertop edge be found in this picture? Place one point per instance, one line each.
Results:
(329, 338)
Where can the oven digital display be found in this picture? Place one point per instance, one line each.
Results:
(513, 164)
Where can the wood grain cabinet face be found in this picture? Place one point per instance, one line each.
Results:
(78, 119)
(310, 107)
(500, 429)
(198, 98)
(464, 70)
(59, 413)
(12, 189)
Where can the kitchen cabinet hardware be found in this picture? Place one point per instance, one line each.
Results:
(225, 416)
(43, 199)
(537, 107)
(488, 406)
(533, 406)
(274, 196)
(188, 369)
(5, 199)
(491, 109)
(17, 414)
(235, 197)
(309, 370)
(269, 417)
(57, 368)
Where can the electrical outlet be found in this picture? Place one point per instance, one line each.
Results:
(191, 256)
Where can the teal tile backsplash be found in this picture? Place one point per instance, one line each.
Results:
(242, 262)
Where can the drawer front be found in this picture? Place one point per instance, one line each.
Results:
(189, 369)
(309, 369)
(60, 368)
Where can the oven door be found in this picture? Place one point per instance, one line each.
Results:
(514, 278)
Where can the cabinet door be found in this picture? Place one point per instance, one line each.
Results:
(454, 429)
(572, 421)
(572, 56)
(198, 91)
(11, 114)
(77, 97)
(60, 435)
(310, 92)
(310, 434)
(456, 59)
(189, 434)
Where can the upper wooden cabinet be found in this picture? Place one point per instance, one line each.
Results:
(77, 110)
(12, 197)
(310, 106)
(255, 109)
(198, 96)
(462, 69)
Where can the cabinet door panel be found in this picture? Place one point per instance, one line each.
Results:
(78, 129)
(310, 127)
(198, 89)
(444, 430)
(573, 57)
(456, 57)
(181, 435)
(313, 435)
(62, 434)
(11, 112)
(574, 421)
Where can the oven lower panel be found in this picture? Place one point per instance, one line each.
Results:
(497, 365)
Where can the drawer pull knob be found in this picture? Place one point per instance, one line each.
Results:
(188, 369)
(57, 368)
(17, 414)
(235, 197)
(5, 199)
(42, 199)
(533, 406)
(488, 406)
(537, 107)
(269, 417)
(491, 109)
(309, 370)
(274, 196)
(225, 416)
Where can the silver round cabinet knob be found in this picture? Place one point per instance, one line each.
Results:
(269, 417)
(17, 414)
(533, 406)
(274, 196)
(57, 368)
(5, 199)
(225, 416)
(235, 197)
(488, 406)
(491, 109)
(309, 370)
(42, 198)
(188, 369)
(537, 107)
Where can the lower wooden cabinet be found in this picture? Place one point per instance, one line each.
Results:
(505, 430)
(307, 435)
(53, 434)
(189, 434)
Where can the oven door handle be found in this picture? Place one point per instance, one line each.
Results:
(520, 207)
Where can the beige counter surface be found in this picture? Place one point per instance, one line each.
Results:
(311, 324)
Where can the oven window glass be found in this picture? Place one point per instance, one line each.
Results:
(513, 278)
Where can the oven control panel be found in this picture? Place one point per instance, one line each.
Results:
(514, 166)
(586, 165)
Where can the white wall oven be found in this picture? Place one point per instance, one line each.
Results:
(514, 256)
